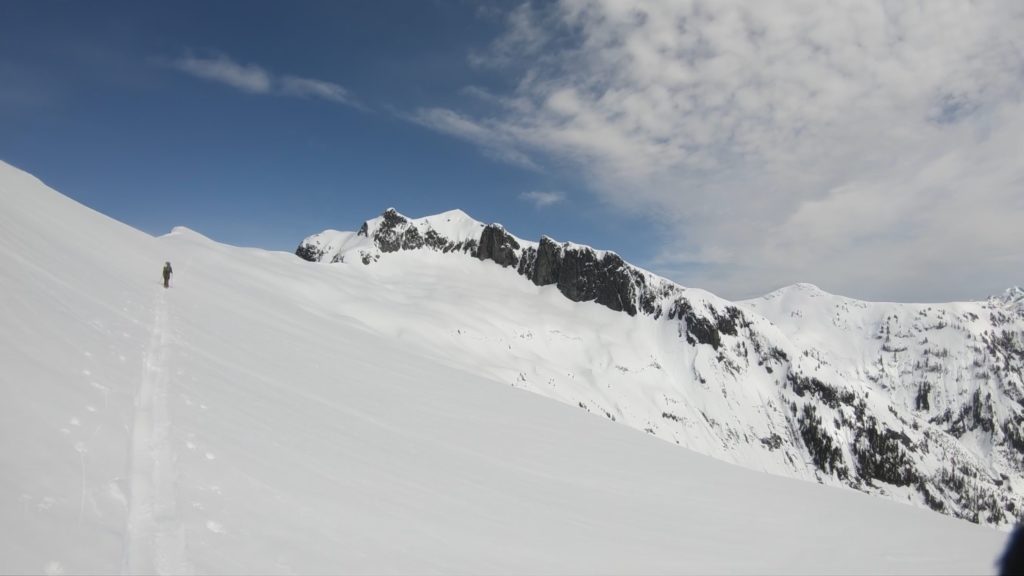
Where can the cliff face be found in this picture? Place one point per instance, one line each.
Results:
(924, 403)
(580, 273)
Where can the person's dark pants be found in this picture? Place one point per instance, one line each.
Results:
(167, 278)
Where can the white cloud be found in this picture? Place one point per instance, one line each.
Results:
(311, 88)
(542, 199)
(257, 80)
(871, 147)
(220, 68)
(494, 142)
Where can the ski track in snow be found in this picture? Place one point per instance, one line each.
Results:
(155, 537)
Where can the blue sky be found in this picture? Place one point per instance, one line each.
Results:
(734, 146)
(95, 106)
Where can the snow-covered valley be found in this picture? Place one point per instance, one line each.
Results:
(272, 415)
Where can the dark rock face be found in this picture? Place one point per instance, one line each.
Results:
(702, 330)
(498, 245)
(583, 277)
(434, 241)
(309, 252)
(548, 264)
(579, 274)
(411, 239)
(708, 329)
(387, 236)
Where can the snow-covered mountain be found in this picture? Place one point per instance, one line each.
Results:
(918, 402)
(267, 415)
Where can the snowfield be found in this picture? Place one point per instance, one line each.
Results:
(270, 415)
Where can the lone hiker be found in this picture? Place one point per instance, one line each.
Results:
(167, 273)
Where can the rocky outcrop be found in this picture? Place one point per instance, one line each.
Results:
(581, 274)
(499, 246)
(388, 233)
(394, 233)
(309, 252)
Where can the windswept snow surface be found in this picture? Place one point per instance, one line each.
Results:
(268, 415)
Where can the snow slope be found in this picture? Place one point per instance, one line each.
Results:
(957, 368)
(266, 415)
(919, 403)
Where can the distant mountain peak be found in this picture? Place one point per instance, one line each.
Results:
(807, 287)
(1011, 296)
(580, 272)
(797, 290)
(883, 397)
(455, 214)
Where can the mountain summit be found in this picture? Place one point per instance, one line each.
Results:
(922, 403)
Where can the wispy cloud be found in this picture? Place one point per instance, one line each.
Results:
(220, 68)
(311, 88)
(257, 80)
(494, 142)
(856, 144)
(542, 199)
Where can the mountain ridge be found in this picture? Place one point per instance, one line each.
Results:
(889, 398)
